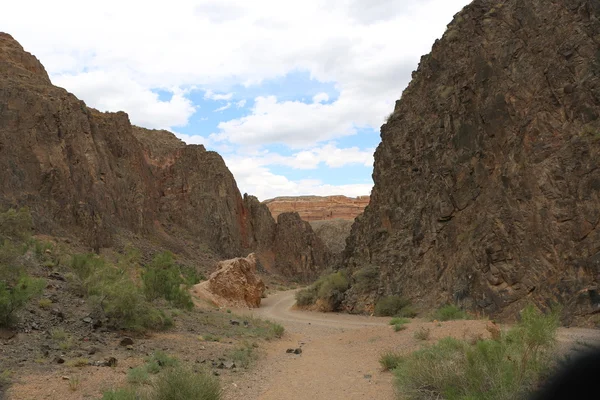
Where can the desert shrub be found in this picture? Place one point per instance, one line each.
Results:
(399, 321)
(328, 289)
(422, 333)
(163, 278)
(244, 355)
(507, 368)
(390, 360)
(119, 394)
(115, 293)
(138, 376)
(15, 224)
(390, 306)
(184, 384)
(163, 360)
(449, 312)
(15, 296)
(277, 329)
(306, 297)
(399, 327)
(366, 279)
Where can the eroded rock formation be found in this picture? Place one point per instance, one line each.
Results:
(487, 179)
(317, 208)
(234, 283)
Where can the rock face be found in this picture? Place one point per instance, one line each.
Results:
(235, 283)
(333, 233)
(299, 253)
(487, 180)
(315, 208)
(93, 175)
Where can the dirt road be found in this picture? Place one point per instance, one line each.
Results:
(339, 357)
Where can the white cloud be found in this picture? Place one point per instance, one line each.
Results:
(241, 103)
(320, 98)
(116, 92)
(225, 107)
(209, 94)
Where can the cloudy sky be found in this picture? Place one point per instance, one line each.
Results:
(291, 93)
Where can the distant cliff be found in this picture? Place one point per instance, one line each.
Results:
(317, 208)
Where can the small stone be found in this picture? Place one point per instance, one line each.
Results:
(216, 373)
(298, 351)
(130, 347)
(126, 341)
(87, 320)
(289, 351)
(65, 378)
(367, 376)
(111, 362)
(229, 364)
(35, 326)
(59, 360)
(234, 322)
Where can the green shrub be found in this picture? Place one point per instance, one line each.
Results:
(163, 278)
(399, 327)
(163, 360)
(449, 312)
(15, 224)
(278, 330)
(115, 293)
(138, 376)
(390, 360)
(15, 297)
(328, 289)
(390, 306)
(184, 384)
(306, 297)
(507, 368)
(399, 321)
(119, 394)
(243, 355)
(366, 279)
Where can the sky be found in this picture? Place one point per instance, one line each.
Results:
(292, 94)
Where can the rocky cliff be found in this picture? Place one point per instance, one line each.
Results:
(93, 176)
(487, 181)
(317, 208)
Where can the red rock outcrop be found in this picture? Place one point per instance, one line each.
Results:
(317, 208)
(94, 176)
(487, 180)
(234, 283)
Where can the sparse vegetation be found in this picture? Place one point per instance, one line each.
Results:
(507, 368)
(78, 362)
(327, 291)
(17, 288)
(44, 303)
(449, 312)
(423, 333)
(163, 279)
(399, 323)
(392, 306)
(366, 279)
(138, 376)
(119, 394)
(278, 330)
(244, 355)
(390, 360)
(183, 384)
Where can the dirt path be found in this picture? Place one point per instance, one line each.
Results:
(340, 354)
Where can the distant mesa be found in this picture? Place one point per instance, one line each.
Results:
(319, 208)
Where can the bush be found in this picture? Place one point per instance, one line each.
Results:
(278, 330)
(138, 376)
(15, 225)
(113, 291)
(15, 297)
(423, 334)
(449, 312)
(390, 360)
(399, 321)
(507, 368)
(328, 289)
(390, 306)
(119, 394)
(184, 384)
(366, 279)
(163, 279)
(399, 327)
(243, 355)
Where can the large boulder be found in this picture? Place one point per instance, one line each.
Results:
(234, 283)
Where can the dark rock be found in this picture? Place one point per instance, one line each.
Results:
(298, 351)
(126, 341)
(56, 276)
(234, 322)
(110, 362)
(93, 350)
(59, 360)
(289, 351)
(505, 208)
